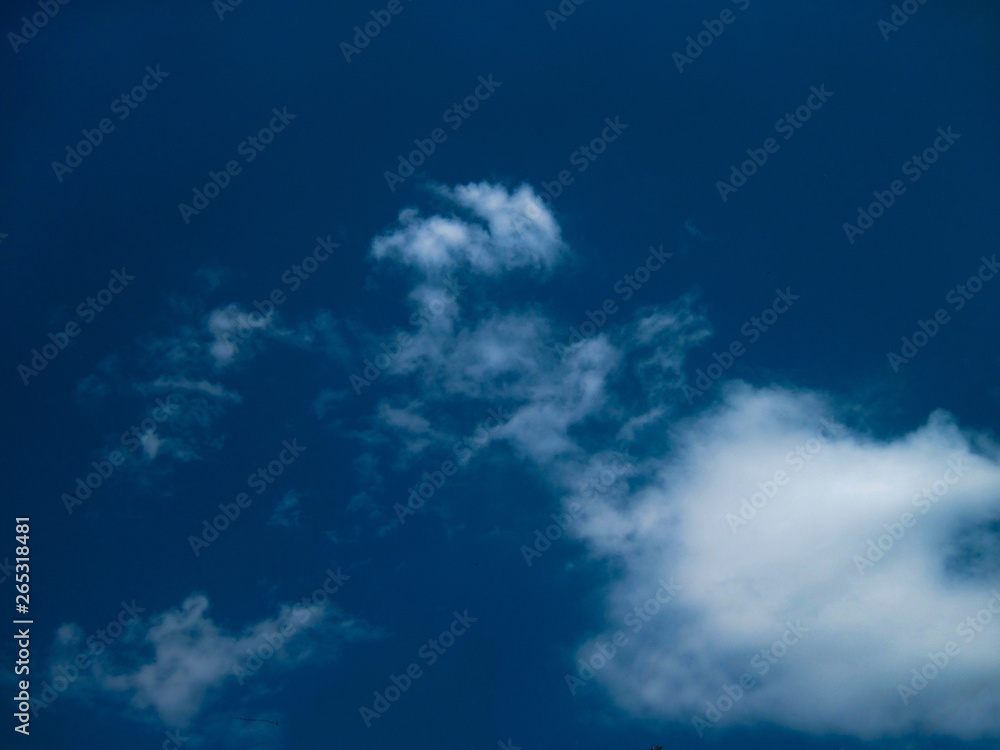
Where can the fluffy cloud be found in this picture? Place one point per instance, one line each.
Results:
(505, 231)
(800, 551)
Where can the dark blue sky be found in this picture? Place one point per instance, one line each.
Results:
(244, 387)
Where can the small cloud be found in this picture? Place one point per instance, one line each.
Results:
(286, 512)
(171, 665)
(507, 230)
(150, 443)
(325, 401)
(202, 386)
(232, 329)
(695, 232)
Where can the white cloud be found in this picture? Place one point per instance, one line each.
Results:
(202, 386)
(151, 443)
(636, 424)
(230, 335)
(233, 329)
(491, 360)
(510, 357)
(178, 661)
(507, 231)
(405, 419)
(795, 559)
(570, 393)
(326, 400)
(521, 227)
(286, 512)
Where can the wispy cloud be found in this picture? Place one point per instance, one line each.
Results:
(669, 518)
(286, 513)
(175, 663)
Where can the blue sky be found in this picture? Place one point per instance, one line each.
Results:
(521, 375)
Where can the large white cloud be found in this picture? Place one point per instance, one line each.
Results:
(870, 616)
